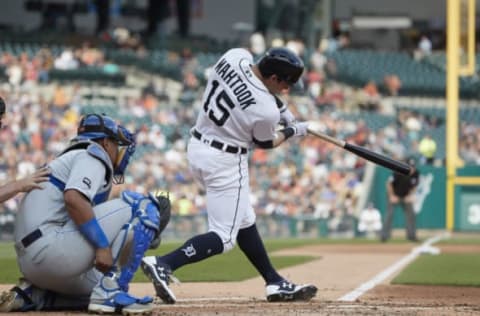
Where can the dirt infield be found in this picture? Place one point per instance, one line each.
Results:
(338, 270)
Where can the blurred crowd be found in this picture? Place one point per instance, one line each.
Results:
(304, 178)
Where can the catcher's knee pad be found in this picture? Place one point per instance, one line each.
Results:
(136, 236)
(163, 210)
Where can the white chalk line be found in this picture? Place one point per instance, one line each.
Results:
(426, 247)
(206, 299)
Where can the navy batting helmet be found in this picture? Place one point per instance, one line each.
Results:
(281, 62)
(96, 126)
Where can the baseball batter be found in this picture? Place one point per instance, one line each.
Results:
(76, 249)
(239, 110)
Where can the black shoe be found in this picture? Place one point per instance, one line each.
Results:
(284, 291)
(160, 275)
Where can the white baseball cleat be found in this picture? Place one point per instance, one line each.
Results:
(285, 291)
(160, 274)
(108, 298)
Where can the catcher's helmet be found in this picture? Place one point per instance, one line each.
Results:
(281, 62)
(96, 126)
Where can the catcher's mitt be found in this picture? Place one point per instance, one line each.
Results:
(162, 200)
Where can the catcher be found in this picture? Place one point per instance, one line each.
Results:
(75, 249)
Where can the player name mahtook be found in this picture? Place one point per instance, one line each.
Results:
(235, 82)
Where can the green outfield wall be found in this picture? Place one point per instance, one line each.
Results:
(431, 199)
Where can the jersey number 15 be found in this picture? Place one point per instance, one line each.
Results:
(219, 110)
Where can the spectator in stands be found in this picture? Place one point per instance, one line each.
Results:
(257, 44)
(370, 221)
(393, 84)
(413, 125)
(427, 148)
(372, 96)
(401, 191)
(14, 73)
(103, 15)
(157, 14)
(66, 61)
(26, 184)
(344, 40)
(183, 17)
(45, 63)
(424, 46)
(469, 143)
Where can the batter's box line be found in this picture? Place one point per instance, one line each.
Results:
(379, 278)
(222, 299)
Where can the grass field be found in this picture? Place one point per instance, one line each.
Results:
(443, 269)
(218, 268)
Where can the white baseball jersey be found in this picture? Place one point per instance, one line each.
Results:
(236, 104)
(237, 108)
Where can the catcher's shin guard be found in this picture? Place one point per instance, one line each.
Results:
(136, 237)
(130, 257)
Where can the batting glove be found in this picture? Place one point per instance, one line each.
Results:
(300, 128)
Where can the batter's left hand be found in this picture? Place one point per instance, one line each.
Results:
(301, 128)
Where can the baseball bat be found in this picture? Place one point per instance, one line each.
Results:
(365, 153)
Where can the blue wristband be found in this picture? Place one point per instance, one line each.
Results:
(94, 233)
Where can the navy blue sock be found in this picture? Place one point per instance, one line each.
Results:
(193, 250)
(249, 241)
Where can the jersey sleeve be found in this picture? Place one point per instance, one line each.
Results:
(264, 130)
(86, 176)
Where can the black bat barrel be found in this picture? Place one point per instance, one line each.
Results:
(380, 159)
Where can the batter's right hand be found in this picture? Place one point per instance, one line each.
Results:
(103, 259)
